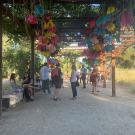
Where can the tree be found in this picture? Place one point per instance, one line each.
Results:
(127, 58)
(16, 57)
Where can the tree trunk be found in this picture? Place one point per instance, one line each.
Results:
(113, 77)
(32, 67)
(0, 59)
(104, 74)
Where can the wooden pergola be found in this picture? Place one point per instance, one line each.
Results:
(75, 27)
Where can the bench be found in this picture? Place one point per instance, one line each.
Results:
(11, 100)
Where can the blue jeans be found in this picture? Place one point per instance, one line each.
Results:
(45, 86)
(74, 91)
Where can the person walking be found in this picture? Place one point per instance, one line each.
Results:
(78, 76)
(44, 76)
(83, 75)
(57, 82)
(88, 77)
(52, 75)
(93, 80)
(62, 79)
(73, 80)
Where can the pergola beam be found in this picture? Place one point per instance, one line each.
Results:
(7, 12)
(86, 1)
(15, 1)
(66, 1)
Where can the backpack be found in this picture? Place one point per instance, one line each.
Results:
(93, 77)
(57, 72)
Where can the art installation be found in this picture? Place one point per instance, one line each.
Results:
(45, 30)
(101, 32)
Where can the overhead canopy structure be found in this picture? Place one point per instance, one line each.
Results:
(69, 18)
(86, 1)
(64, 1)
(70, 15)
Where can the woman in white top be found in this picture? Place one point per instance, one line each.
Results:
(73, 80)
(13, 82)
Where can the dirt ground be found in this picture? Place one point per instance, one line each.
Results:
(88, 115)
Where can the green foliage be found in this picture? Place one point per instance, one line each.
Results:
(71, 53)
(19, 61)
(16, 57)
(127, 59)
(66, 64)
(19, 11)
(74, 10)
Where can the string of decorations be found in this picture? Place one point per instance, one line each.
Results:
(45, 29)
(102, 32)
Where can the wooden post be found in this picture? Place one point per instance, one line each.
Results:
(113, 77)
(0, 59)
(104, 74)
(67, 68)
(32, 66)
(103, 69)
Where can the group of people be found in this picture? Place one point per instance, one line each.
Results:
(82, 75)
(85, 76)
(56, 80)
(26, 86)
(28, 89)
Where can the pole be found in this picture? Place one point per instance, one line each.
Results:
(67, 68)
(113, 77)
(104, 74)
(0, 59)
(32, 70)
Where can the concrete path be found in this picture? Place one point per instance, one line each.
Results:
(88, 115)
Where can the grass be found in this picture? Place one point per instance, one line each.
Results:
(126, 77)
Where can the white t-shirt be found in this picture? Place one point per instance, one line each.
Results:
(44, 73)
(73, 76)
(84, 70)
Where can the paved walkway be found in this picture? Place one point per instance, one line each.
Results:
(88, 115)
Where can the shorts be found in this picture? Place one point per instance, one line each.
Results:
(57, 83)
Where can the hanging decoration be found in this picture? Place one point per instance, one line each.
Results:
(111, 9)
(103, 20)
(100, 32)
(111, 27)
(108, 48)
(39, 10)
(52, 61)
(92, 23)
(45, 29)
(127, 18)
(89, 42)
(31, 19)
